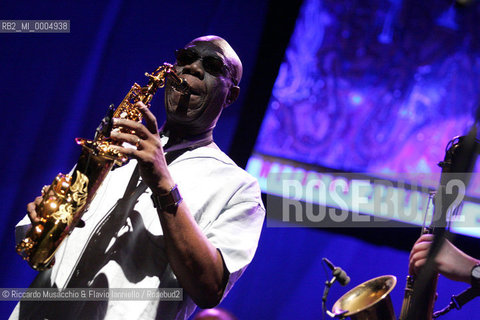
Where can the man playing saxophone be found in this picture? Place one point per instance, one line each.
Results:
(195, 224)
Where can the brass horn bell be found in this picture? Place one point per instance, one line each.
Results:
(368, 301)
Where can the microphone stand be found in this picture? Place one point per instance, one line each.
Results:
(338, 274)
(328, 285)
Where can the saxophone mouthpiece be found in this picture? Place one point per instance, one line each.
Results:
(182, 86)
(179, 84)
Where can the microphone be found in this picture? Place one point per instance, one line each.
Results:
(338, 273)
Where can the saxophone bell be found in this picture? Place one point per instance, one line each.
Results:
(367, 301)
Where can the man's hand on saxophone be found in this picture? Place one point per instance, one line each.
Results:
(148, 151)
(450, 261)
(31, 210)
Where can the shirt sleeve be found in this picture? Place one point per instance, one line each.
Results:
(21, 229)
(236, 231)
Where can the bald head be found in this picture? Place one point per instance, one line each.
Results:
(230, 56)
(213, 70)
(215, 314)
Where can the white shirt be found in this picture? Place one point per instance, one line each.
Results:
(225, 202)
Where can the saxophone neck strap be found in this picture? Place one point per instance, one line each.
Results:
(188, 142)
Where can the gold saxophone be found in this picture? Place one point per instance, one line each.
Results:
(69, 196)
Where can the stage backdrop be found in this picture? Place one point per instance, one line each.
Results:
(363, 107)
(378, 88)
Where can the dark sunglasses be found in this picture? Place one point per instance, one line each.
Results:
(212, 64)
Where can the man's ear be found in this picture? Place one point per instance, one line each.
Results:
(232, 95)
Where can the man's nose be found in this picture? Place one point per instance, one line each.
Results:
(195, 69)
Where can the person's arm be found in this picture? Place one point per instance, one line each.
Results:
(450, 261)
(197, 264)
